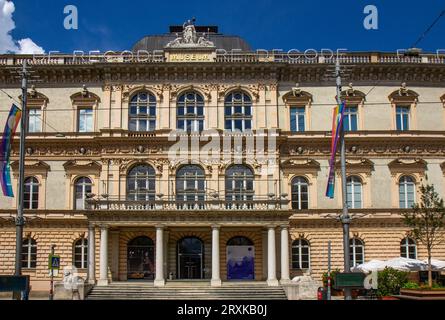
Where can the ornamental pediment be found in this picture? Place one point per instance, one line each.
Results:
(82, 166)
(408, 165)
(85, 97)
(360, 165)
(32, 167)
(300, 166)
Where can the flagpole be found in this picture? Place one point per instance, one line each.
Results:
(19, 222)
(344, 218)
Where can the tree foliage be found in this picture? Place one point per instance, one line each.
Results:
(427, 221)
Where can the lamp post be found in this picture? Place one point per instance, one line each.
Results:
(19, 221)
(345, 219)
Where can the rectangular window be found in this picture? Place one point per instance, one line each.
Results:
(85, 119)
(350, 119)
(402, 118)
(297, 119)
(34, 120)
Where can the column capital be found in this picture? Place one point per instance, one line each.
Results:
(271, 226)
(284, 226)
(104, 227)
(160, 227)
(216, 226)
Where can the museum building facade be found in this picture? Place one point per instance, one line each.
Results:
(106, 183)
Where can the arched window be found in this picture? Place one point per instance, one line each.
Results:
(190, 187)
(190, 112)
(82, 187)
(408, 248)
(300, 193)
(29, 253)
(81, 253)
(354, 192)
(31, 195)
(238, 112)
(142, 112)
(300, 254)
(406, 192)
(239, 187)
(141, 182)
(240, 241)
(356, 252)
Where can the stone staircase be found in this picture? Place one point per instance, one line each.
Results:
(187, 291)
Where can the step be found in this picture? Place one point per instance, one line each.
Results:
(187, 291)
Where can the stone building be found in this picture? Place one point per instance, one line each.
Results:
(103, 185)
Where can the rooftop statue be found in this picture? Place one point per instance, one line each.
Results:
(189, 38)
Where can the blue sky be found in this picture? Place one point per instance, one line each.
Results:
(300, 24)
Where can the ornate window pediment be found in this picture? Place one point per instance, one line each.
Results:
(403, 95)
(352, 96)
(74, 167)
(300, 166)
(35, 98)
(31, 168)
(408, 165)
(297, 96)
(356, 166)
(85, 98)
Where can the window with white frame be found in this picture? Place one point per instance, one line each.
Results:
(300, 254)
(85, 120)
(239, 187)
(29, 253)
(31, 193)
(356, 252)
(142, 112)
(238, 112)
(402, 118)
(34, 120)
(297, 119)
(407, 193)
(190, 112)
(354, 192)
(190, 187)
(350, 120)
(141, 181)
(408, 248)
(81, 253)
(300, 193)
(82, 187)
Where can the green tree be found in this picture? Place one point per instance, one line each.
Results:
(427, 221)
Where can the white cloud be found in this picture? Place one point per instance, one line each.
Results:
(7, 24)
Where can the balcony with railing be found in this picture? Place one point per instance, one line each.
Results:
(199, 203)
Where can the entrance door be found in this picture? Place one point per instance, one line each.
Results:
(140, 259)
(190, 258)
(240, 259)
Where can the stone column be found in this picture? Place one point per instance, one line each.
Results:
(284, 254)
(91, 277)
(216, 278)
(103, 259)
(159, 279)
(271, 258)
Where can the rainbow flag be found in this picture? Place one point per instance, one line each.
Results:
(337, 126)
(5, 149)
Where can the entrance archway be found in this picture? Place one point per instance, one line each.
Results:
(240, 259)
(140, 259)
(190, 258)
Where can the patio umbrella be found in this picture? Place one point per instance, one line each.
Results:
(437, 265)
(401, 264)
(405, 264)
(369, 266)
